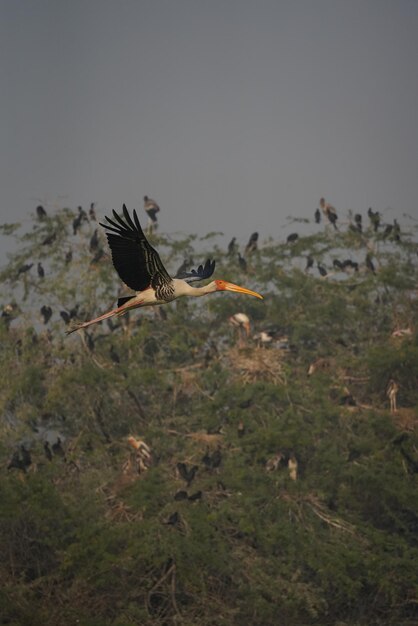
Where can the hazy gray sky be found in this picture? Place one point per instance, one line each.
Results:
(232, 114)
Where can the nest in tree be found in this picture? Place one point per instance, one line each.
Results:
(258, 363)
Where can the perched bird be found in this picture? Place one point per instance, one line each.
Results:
(329, 211)
(40, 212)
(388, 230)
(143, 455)
(92, 212)
(358, 220)
(242, 322)
(337, 264)
(24, 268)
(396, 231)
(292, 238)
(94, 241)
(49, 239)
(141, 268)
(321, 269)
(242, 263)
(317, 216)
(47, 451)
(252, 244)
(65, 316)
(46, 313)
(186, 473)
(151, 209)
(309, 263)
(369, 263)
(232, 246)
(374, 217)
(212, 461)
(41, 271)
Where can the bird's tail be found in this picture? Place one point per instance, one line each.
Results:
(120, 310)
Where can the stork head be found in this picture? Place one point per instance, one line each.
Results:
(223, 285)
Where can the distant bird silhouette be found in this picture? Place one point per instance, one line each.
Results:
(292, 238)
(369, 263)
(309, 263)
(57, 448)
(242, 263)
(338, 265)
(232, 246)
(374, 217)
(321, 269)
(173, 519)
(151, 209)
(181, 495)
(94, 241)
(317, 216)
(41, 271)
(47, 451)
(388, 230)
(24, 268)
(212, 461)
(186, 473)
(49, 239)
(252, 244)
(396, 231)
(40, 212)
(46, 313)
(329, 211)
(92, 212)
(65, 316)
(358, 220)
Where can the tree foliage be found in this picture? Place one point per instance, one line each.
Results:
(92, 533)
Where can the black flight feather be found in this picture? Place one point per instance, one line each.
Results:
(135, 260)
(202, 272)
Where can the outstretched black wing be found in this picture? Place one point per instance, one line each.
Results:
(136, 262)
(202, 272)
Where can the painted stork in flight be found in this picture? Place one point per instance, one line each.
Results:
(141, 269)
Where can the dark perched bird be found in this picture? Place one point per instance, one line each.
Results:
(321, 269)
(113, 354)
(292, 238)
(181, 495)
(46, 313)
(65, 316)
(49, 239)
(252, 244)
(329, 211)
(349, 264)
(76, 224)
(358, 220)
(57, 448)
(396, 231)
(173, 519)
(369, 263)
(94, 241)
(242, 263)
(309, 263)
(317, 216)
(337, 264)
(387, 231)
(68, 257)
(40, 212)
(141, 269)
(374, 217)
(212, 461)
(151, 209)
(41, 271)
(24, 268)
(195, 496)
(92, 212)
(186, 473)
(47, 451)
(82, 214)
(232, 246)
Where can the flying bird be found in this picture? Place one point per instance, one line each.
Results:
(141, 269)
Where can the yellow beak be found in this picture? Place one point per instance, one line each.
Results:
(237, 289)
